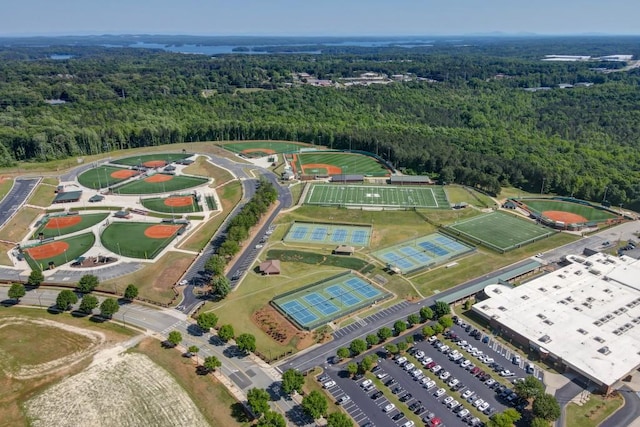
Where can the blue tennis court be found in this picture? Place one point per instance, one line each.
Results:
(328, 234)
(423, 252)
(324, 301)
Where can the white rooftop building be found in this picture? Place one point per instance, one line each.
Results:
(585, 316)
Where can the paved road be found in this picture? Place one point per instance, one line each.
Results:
(629, 412)
(21, 189)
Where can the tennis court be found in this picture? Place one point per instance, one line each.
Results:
(423, 252)
(377, 195)
(324, 301)
(500, 231)
(328, 234)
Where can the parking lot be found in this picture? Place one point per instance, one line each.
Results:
(384, 313)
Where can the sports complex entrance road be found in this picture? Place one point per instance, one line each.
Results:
(17, 196)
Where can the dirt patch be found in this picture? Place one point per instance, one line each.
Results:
(123, 174)
(331, 169)
(158, 178)
(63, 221)
(179, 201)
(276, 326)
(566, 217)
(130, 388)
(154, 164)
(161, 231)
(266, 151)
(48, 250)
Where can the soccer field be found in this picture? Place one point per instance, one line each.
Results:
(500, 231)
(382, 196)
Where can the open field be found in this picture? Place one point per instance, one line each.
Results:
(592, 413)
(459, 194)
(149, 159)
(59, 226)
(138, 239)
(104, 176)
(512, 192)
(60, 251)
(263, 148)
(215, 402)
(42, 196)
(173, 204)
(64, 346)
(5, 186)
(587, 212)
(19, 224)
(154, 281)
(377, 195)
(202, 167)
(499, 231)
(160, 183)
(4, 258)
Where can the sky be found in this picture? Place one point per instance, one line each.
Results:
(319, 18)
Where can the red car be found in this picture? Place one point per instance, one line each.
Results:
(435, 422)
(475, 370)
(430, 365)
(480, 374)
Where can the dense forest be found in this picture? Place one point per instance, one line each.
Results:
(467, 120)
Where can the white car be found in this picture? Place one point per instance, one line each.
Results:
(426, 361)
(465, 363)
(408, 424)
(183, 282)
(453, 404)
(447, 400)
(456, 357)
(453, 382)
(467, 394)
(429, 384)
(490, 382)
(463, 344)
(329, 384)
(436, 369)
(484, 406)
(463, 413)
(344, 399)
(382, 375)
(432, 338)
(409, 366)
(443, 348)
(259, 246)
(366, 383)
(419, 354)
(478, 402)
(439, 392)
(506, 373)
(401, 360)
(488, 360)
(390, 407)
(445, 375)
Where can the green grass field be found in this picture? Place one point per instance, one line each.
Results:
(137, 160)
(78, 245)
(384, 196)
(500, 231)
(268, 146)
(348, 163)
(86, 221)
(158, 205)
(590, 213)
(128, 239)
(99, 177)
(5, 186)
(177, 183)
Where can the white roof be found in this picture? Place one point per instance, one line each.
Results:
(587, 314)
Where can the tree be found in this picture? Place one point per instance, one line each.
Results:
(343, 352)
(539, 422)
(357, 346)
(426, 314)
(446, 322)
(292, 380)
(207, 320)
(88, 303)
(272, 419)
(402, 346)
(315, 405)
(66, 299)
(372, 339)
(215, 265)
(193, 351)
(400, 326)
(546, 407)
(246, 343)
(225, 333)
(427, 331)
(531, 387)
(338, 419)
(131, 292)
(385, 333)
(17, 291)
(442, 309)
(258, 400)
(468, 303)
(413, 319)
(504, 419)
(175, 337)
(367, 363)
(88, 283)
(352, 368)
(220, 286)
(410, 339)
(437, 328)
(391, 348)
(211, 363)
(35, 278)
(109, 307)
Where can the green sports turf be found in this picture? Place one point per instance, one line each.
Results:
(86, 221)
(499, 230)
(178, 183)
(158, 205)
(99, 177)
(78, 245)
(349, 163)
(137, 160)
(277, 146)
(376, 195)
(128, 239)
(590, 213)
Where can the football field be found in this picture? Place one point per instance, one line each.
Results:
(381, 196)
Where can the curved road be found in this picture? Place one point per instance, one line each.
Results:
(16, 197)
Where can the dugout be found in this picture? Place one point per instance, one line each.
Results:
(347, 178)
(410, 180)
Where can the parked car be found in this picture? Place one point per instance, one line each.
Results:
(397, 416)
(366, 383)
(529, 368)
(439, 392)
(329, 384)
(463, 413)
(467, 394)
(378, 394)
(406, 397)
(516, 360)
(390, 407)
(344, 399)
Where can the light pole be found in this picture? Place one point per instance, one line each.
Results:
(604, 198)
(542, 186)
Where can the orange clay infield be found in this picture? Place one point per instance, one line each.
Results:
(123, 174)
(158, 178)
(48, 250)
(258, 150)
(161, 231)
(179, 201)
(63, 221)
(154, 163)
(566, 217)
(331, 169)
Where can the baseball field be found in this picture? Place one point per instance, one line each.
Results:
(151, 160)
(59, 251)
(160, 183)
(173, 204)
(62, 225)
(104, 176)
(264, 148)
(567, 212)
(336, 163)
(138, 239)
